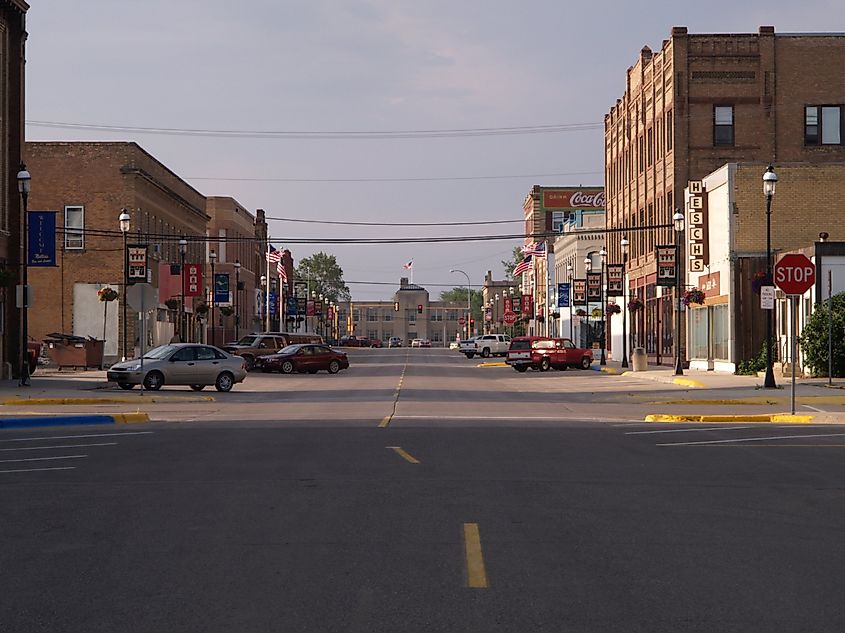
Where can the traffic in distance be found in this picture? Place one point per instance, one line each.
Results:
(198, 366)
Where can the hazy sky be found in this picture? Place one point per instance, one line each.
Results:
(383, 65)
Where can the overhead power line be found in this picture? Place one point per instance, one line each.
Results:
(350, 223)
(412, 179)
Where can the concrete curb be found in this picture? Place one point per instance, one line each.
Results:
(493, 364)
(11, 402)
(606, 370)
(683, 382)
(782, 418)
(73, 420)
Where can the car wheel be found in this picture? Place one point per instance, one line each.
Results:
(153, 381)
(287, 367)
(197, 387)
(225, 381)
(485, 353)
(586, 363)
(249, 362)
(545, 364)
(334, 367)
(126, 385)
(521, 368)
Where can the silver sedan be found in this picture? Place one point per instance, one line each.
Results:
(180, 364)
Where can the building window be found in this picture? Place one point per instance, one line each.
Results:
(372, 335)
(558, 220)
(670, 132)
(436, 315)
(723, 125)
(74, 228)
(372, 315)
(388, 315)
(650, 147)
(641, 150)
(822, 125)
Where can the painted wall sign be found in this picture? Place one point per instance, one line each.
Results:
(698, 247)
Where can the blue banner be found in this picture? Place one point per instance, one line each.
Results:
(563, 295)
(291, 309)
(221, 287)
(41, 243)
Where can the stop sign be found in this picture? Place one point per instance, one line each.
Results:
(510, 318)
(462, 321)
(795, 274)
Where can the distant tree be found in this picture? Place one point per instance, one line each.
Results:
(510, 264)
(324, 275)
(459, 295)
(814, 337)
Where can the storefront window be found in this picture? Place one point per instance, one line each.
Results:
(698, 335)
(721, 332)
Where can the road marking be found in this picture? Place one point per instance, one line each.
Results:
(385, 421)
(404, 454)
(780, 446)
(67, 437)
(476, 574)
(34, 470)
(754, 439)
(41, 459)
(815, 409)
(38, 448)
(711, 428)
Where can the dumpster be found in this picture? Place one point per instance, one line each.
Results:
(77, 352)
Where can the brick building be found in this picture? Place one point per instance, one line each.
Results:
(417, 317)
(88, 184)
(701, 101)
(12, 42)
(493, 294)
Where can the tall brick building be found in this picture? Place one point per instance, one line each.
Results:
(701, 101)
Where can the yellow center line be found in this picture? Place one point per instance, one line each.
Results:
(404, 454)
(476, 574)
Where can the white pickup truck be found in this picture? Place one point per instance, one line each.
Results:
(486, 345)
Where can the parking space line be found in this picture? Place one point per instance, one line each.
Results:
(753, 439)
(404, 454)
(68, 437)
(711, 428)
(476, 573)
(815, 408)
(35, 470)
(41, 448)
(41, 459)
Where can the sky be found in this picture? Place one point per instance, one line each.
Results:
(365, 66)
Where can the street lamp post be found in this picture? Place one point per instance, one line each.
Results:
(623, 245)
(183, 249)
(678, 223)
(469, 298)
(770, 179)
(237, 298)
(266, 290)
(124, 221)
(603, 361)
(588, 267)
(24, 184)
(569, 271)
(212, 257)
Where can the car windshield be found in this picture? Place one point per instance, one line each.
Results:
(249, 341)
(520, 345)
(290, 349)
(160, 352)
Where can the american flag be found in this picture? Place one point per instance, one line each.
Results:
(274, 255)
(409, 265)
(522, 266)
(537, 249)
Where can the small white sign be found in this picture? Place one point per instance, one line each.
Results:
(767, 297)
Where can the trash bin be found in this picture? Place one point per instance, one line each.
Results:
(639, 361)
(78, 352)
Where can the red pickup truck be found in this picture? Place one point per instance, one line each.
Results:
(544, 353)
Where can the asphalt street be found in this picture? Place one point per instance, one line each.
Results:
(478, 522)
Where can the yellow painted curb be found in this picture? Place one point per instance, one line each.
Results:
(688, 382)
(105, 400)
(131, 418)
(782, 418)
(722, 402)
(610, 370)
(494, 364)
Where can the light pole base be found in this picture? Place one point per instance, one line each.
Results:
(679, 367)
(624, 362)
(769, 380)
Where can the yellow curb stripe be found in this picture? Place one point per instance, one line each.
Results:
(404, 454)
(688, 382)
(131, 418)
(476, 573)
(493, 364)
(774, 417)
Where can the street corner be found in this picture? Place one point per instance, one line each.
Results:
(770, 418)
(35, 421)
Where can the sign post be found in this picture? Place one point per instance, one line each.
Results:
(795, 274)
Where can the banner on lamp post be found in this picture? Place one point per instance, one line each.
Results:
(579, 292)
(614, 280)
(41, 244)
(563, 295)
(594, 287)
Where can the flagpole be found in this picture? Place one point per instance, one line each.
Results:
(267, 289)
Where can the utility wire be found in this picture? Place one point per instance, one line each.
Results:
(350, 223)
(419, 179)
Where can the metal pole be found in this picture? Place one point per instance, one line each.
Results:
(237, 302)
(182, 304)
(603, 360)
(794, 350)
(829, 327)
(679, 363)
(624, 313)
(24, 354)
(769, 382)
(213, 287)
(125, 288)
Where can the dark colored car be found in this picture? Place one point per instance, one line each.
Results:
(304, 359)
(359, 341)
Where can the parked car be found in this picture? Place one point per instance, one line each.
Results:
(424, 342)
(486, 345)
(304, 358)
(454, 345)
(180, 364)
(416, 342)
(544, 353)
(394, 341)
(359, 341)
(254, 346)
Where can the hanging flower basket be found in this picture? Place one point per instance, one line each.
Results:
(596, 313)
(107, 294)
(613, 308)
(172, 304)
(7, 277)
(635, 304)
(226, 311)
(201, 309)
(693, 295)
(581, 312)
(759, 280)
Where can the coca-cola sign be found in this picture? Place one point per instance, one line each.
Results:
(575, 198)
